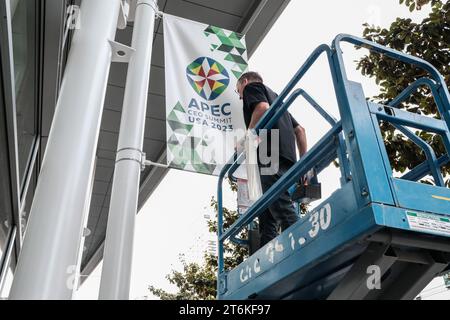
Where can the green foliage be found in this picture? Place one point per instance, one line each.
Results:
(429, 40)
(447, 280)
(418, 4)
(199, 281)
(195, 282)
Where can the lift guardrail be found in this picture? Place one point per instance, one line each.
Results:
(370, 198)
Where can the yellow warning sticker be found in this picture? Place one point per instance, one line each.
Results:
(441, 198)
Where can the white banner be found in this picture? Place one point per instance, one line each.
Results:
(204, 113)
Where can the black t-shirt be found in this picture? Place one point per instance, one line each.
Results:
(253, 94)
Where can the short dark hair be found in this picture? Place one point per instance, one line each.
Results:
(251, 76)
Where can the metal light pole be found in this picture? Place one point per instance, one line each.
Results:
(118, 252)
(47, 264)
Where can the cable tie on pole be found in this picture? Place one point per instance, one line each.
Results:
(153, 4)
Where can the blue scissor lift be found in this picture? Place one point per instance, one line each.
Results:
(375, 226)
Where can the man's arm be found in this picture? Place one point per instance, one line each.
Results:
(300, 133)
(257, 114)
(300, 137)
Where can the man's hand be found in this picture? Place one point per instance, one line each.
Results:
(240, 145)
(250, 134)
(304, 180)
(307, 177)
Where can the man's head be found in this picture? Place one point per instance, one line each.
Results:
(245, 79)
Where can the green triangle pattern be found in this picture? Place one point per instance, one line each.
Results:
(228, 43)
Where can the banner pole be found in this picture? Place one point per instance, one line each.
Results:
(47, 263)
(118, 251)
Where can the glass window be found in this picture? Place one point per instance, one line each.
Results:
(4, 293)
(5, 287)
(24, 36)
(6, 216)
(28, 200)
(9, 261)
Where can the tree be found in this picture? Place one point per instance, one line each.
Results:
(199, 281)
(429, 40)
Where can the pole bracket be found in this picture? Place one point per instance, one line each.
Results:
(133, 154)
(146, 163)
(123, 14)
(120, 52)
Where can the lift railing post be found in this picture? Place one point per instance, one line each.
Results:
(118, 252)
(47, 264)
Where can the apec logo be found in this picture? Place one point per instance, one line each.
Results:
(207, 77)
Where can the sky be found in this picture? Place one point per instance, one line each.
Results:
(170, 223)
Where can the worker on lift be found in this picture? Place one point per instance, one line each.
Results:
(257, 99)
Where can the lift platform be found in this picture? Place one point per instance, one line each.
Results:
(377, 236)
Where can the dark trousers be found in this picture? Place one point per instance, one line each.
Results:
(281, 212)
